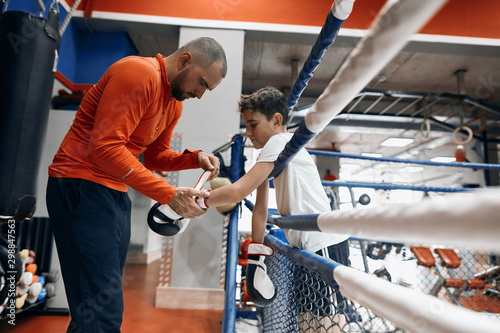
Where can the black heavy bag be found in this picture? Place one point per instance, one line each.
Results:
(28, 56)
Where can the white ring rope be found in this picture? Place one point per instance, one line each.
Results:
(410, 309)
(462, 219)
(385, 39)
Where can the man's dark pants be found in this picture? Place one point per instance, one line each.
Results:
(91, 225)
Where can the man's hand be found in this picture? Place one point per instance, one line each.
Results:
(208, 162)
(184, 204)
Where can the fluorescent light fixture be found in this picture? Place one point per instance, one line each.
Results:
(443, 159)
(412, 169)
(349, 166)
(371, 154)
(396, 142)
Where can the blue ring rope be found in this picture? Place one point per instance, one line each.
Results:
(298, 141)
(302, 135)
(388, 186)
(305, 222)
(229, 317)
(412, 161)
(326, 37)
(323, 266)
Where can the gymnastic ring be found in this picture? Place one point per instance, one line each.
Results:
(455, 132)
(427, 124)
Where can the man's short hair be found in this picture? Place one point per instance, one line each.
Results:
(206, 51)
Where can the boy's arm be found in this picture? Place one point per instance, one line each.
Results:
(259, 216)
(242, 188)
(260, 287)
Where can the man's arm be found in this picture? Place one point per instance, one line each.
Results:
(116, 118)
(159, 156)
(182, 203)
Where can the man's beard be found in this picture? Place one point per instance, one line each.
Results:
(175, 87)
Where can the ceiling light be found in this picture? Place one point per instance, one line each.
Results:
(396, 142)
(371, 154)
(412, 169)
(443, 159)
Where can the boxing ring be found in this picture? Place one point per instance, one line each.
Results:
(454, 221)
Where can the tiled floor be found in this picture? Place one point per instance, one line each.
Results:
(140, 315)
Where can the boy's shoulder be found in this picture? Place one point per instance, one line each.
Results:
(274, 145)
(279, 139)
(282, 136)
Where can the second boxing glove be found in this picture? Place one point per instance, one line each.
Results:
(260, 288)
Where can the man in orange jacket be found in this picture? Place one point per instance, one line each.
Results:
(133, 109)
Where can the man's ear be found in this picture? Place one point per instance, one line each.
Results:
(278, 119)
(184, 60)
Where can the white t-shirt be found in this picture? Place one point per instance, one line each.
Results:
(299, 191)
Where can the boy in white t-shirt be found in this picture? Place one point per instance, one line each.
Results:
(298, 187)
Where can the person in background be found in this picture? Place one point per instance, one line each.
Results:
(329, 176)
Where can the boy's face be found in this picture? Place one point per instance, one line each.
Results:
(258, 128)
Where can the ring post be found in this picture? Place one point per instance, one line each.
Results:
(229, 320)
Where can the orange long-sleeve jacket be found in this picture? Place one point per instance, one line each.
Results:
(128, 112)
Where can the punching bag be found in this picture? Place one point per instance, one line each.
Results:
(28, 56)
